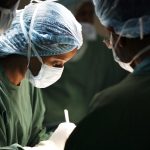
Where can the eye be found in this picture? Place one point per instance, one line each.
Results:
(59, 65)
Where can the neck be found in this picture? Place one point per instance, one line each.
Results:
(15, 68)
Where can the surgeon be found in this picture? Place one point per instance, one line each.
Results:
(84, 75)
(7, 13)
(41, 39)
(119, 118)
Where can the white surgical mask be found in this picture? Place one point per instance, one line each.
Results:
(89, 31)
(46, 76)
(127, 66)
(123, 65)
(6, 17)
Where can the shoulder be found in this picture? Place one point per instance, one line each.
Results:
(119, 94)
(131, 89)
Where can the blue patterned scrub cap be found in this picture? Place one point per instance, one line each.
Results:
(128, 18)
(44, 28)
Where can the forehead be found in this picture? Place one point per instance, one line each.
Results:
(63, 57)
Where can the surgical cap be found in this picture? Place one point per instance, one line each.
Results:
(47, 26)
(128, 18)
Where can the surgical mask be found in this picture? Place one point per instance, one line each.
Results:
(123, 65)
(46, 76)
(89, 31)
(127, 66)
(6, 17)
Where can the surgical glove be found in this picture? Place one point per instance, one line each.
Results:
(43, 145)
(57, 140)
(61, 134)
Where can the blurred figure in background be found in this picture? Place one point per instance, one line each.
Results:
(90, 71)
(7, 13)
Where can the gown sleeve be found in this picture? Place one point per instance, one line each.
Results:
(38, 110)
(3, 126)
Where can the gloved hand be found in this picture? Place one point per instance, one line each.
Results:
(61, 134)
(57, 140)
(43, 145)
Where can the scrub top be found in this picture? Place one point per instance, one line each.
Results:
(21, 114)
(119, 118)
(90, 71)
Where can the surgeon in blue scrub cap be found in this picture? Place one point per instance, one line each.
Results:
(41, 39)
(125, 20)
(118, 117)
(45, 34)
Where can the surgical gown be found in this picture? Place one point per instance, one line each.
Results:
(21, 114)
(119, 119)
